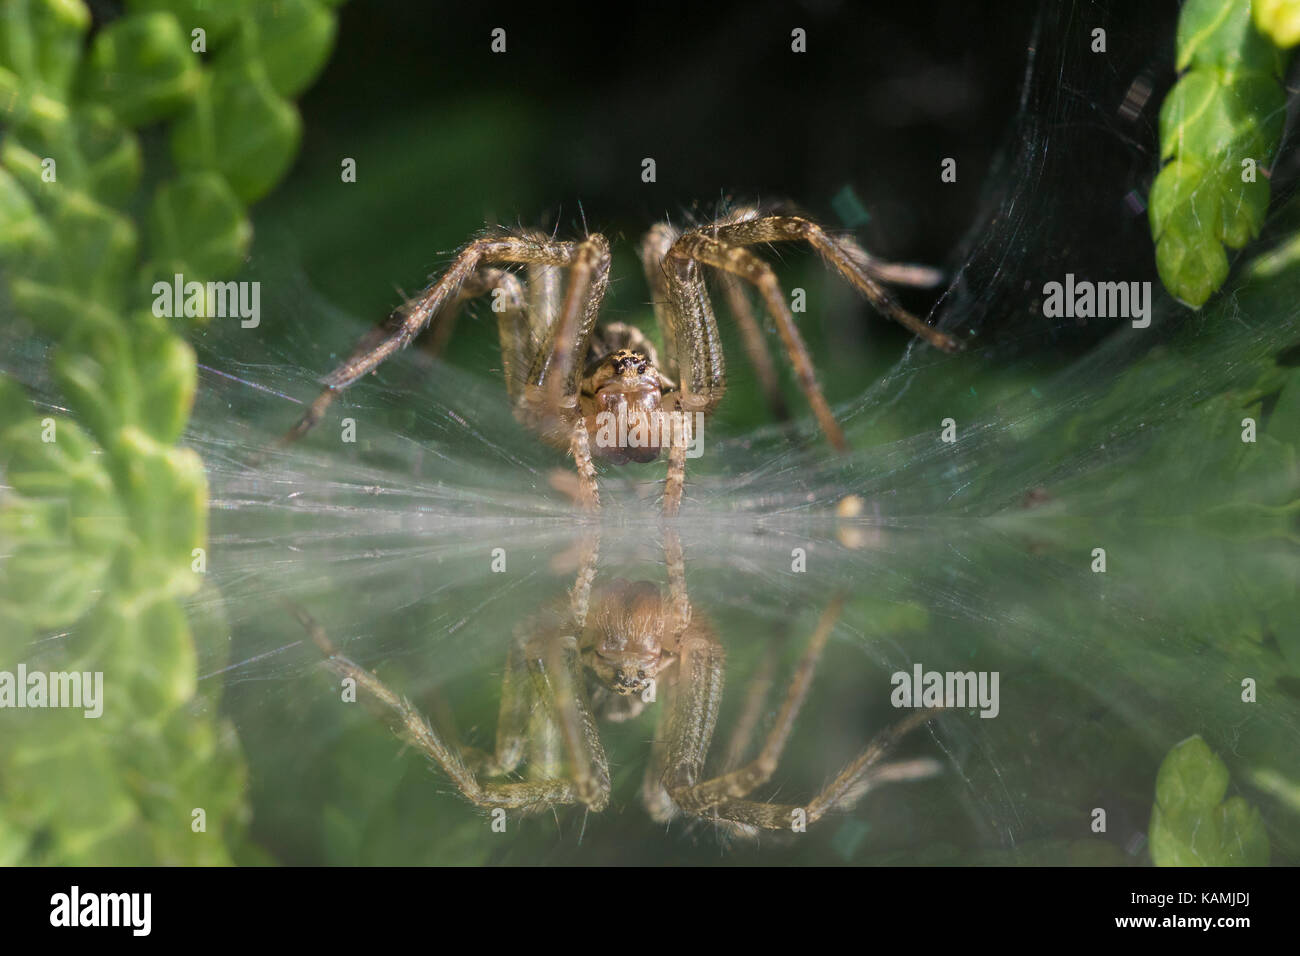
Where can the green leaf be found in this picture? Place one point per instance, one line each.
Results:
(1279, 20)
(97, 245)
(24, 235)
(50, 584)
(1191, 825)
(154, 648)
(1219, 34)
(68, 471)
(1243, 209)
(165, 491)
(1186, 215)
(111, 153)
(197, 228)
(120, 375)
(1209, 114)
(1221, 123)
(239, 127)
(141, 67)
(218, 18)
(1180, 200)
(41, 41)
(24, 107)
(293, 39)
(169, 374)
(92, 153)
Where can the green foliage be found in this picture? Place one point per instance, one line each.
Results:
(239, 127)
(197, 227)
(141, 68)
(104, 512)
(1220, 128)
(1191, 823)
(1279, 20)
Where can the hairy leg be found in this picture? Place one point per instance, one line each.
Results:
(558, 669)
(550, 395)
(527, 795)
(863, 271)
(741, 782)
(854, 781)
(702, 248)
(466, 277)
(751, 334)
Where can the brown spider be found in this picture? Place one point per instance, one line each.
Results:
(603, 391)
(605, 655)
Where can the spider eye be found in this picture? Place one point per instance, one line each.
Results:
(640, 674)
(641, 368)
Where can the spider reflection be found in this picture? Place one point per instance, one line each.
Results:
(609, 651)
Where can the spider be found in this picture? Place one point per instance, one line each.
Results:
(606, 654)
(569, 380)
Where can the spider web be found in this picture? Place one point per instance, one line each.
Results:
(973, 554)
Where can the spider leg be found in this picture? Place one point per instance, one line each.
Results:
(551, 385)
(549, 400)
(676, 481)
(699, 248)
(680, 602)
(527, 795)
(755, 343)
(751, 334)
(512, 325)
(854, 781)
(692, 347)
(461, 281)
(862, 270)
(654, 247)
(580, 449)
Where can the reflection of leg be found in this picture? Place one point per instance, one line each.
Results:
(852, 783)
(559, 669)
(742, 735)
(530, 795)
(513, 719)
(580, 594)
(654, 795)
(679, 600)
(740, 783)
(676, 481)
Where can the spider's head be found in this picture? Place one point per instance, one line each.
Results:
(626, 422)
(622, 643)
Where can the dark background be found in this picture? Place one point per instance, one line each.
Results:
(449, 137)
